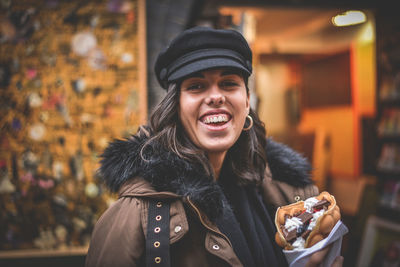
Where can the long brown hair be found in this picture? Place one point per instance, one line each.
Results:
(246, 157)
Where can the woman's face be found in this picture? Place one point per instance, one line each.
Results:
(213, 106)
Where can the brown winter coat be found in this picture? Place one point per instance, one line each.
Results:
(119, 235)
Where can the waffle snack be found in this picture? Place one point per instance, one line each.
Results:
(305, 223)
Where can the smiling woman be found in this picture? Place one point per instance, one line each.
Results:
(199, 185)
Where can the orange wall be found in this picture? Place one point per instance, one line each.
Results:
(337, 123)
(364, 73)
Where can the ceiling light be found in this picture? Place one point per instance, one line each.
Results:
(350, 17)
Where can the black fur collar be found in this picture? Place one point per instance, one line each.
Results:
(165, 171)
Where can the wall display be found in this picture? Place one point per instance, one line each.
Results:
(70, 81)
(388, 103)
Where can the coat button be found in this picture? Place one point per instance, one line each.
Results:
(177, 229)
(297, 198)
(215, 247)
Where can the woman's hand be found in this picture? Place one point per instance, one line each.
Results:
(317, 258)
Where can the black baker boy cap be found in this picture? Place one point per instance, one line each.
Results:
(202, 48)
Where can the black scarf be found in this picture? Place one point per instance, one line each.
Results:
(249, 226)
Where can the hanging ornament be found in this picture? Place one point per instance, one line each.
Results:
(61, 234)
(58, 170)
(83, 42)
(5, 184)
(103, 142)
(126, 57)
(34, 100)
(97, 59)
(52, 101)
(48, 58)
(91, 190)
(44, 116)
(37, 131)
(94, 21)
(107, 110)
(78, 85)
(60, 200)
(31, 74)
(46, 240)
(62, 108)
(27, 180)
(86, 119)
(30, 161)
(76, 165)
(70, 188)
(46, 184)
(61, 140)
(130, 17)
(27, 177)
(119, 6)
(37, 83)
(79, 224)
(16, 124)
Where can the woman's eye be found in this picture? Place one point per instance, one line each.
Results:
(196, 86)
(229, 83)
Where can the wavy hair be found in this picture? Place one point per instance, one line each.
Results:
(246, 157)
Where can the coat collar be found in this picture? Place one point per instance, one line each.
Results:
(166, 172)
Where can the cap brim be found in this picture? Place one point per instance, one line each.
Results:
(205, 64)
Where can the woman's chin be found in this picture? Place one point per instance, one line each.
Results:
(217, 147)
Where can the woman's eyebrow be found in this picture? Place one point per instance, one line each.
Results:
(195, 75)
(231, 72)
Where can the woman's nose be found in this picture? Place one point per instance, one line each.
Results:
(215, 96)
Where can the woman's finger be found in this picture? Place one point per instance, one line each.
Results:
(317, 257)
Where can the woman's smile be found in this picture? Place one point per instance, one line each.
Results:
(216, 120)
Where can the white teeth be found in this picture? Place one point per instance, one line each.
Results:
(216, 119)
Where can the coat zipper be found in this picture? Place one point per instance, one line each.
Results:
(204, 224)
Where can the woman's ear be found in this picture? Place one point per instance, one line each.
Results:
(248, 103)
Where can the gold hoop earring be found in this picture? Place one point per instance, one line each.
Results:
(251, 123)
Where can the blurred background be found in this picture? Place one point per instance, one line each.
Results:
(76, 74)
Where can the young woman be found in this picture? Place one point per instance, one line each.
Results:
(199, 185)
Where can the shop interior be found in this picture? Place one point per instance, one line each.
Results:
(77, 74)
